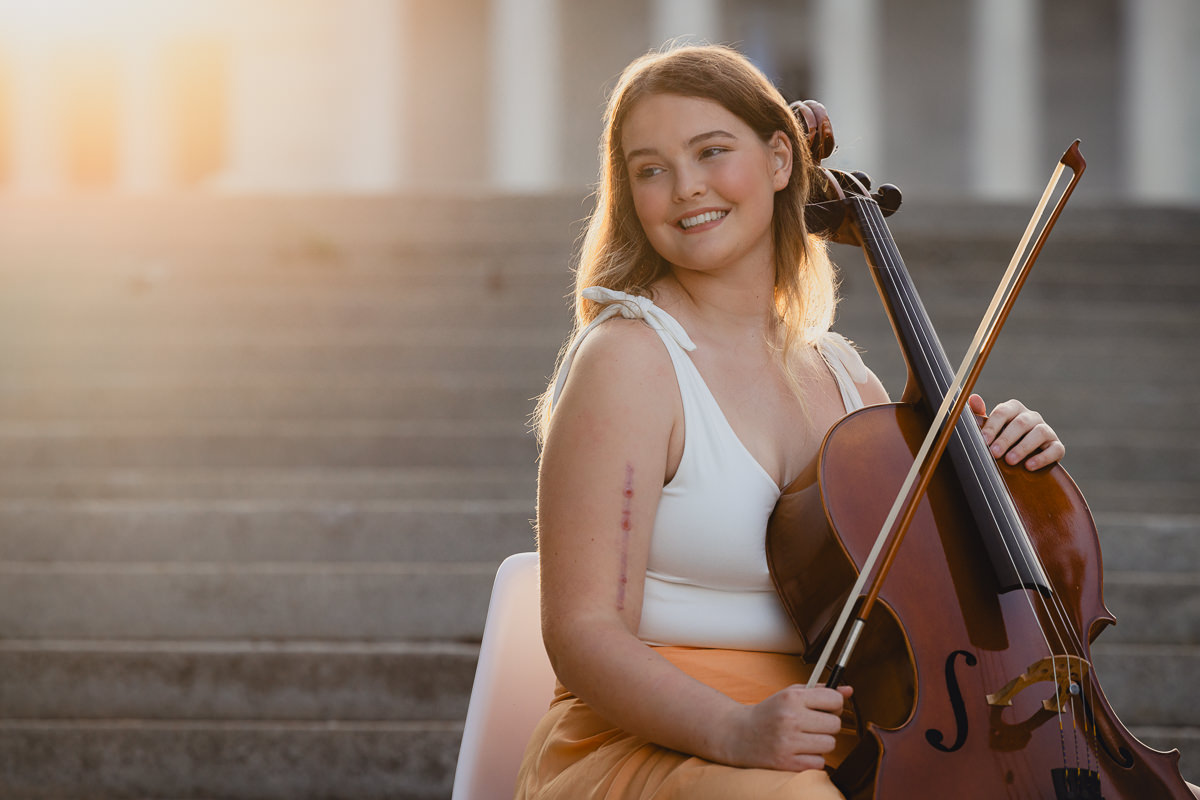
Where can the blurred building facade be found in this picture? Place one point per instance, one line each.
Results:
(972, 100)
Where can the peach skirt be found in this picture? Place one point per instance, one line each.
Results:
(574, 754)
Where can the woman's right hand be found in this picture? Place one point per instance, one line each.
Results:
(791, 730)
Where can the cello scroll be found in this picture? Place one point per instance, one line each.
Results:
(825, 214)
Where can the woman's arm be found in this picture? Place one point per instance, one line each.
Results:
(614, 433)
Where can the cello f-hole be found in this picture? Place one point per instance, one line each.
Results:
(936, 737)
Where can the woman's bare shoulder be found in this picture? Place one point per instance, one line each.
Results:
(621, 370)
(621, 349)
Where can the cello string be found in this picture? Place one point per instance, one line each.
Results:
(909, 308)
(987, 325)
(1063, 618)
(1007, 511)
(873, 226)
(909, 305)
(991, 476)
(1055, 597)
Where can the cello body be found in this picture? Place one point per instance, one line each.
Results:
(972, 675)
(946, 638)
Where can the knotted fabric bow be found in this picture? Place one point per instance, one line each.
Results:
(629, 306)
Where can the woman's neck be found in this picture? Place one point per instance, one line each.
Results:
(724, 306)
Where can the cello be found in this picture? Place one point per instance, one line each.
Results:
(971, 663)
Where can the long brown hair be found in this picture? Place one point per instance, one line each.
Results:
(616, 253)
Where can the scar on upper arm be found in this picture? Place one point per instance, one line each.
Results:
(626, 527)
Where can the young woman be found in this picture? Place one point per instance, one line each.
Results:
(667, 437)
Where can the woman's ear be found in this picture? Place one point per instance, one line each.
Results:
(780, 148)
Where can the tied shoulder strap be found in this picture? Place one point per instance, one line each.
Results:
(847, 366)
(628, 306)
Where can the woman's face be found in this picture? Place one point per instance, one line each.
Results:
(703, 182)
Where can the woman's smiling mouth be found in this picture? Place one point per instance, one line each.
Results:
(687, 223)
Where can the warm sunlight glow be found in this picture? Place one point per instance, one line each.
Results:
(100, 94)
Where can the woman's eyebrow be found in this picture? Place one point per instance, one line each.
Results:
(695, 140)
(692, 142)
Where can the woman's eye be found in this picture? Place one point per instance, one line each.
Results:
(647, 172)
(709, 152)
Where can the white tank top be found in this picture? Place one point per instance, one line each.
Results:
(707, 583)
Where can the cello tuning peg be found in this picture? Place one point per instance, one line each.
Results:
(888, 197)
(862, 178)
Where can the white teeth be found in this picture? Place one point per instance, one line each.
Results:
(700, 219)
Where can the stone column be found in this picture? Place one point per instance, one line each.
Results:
(1006, 104)
(285, 96)
(848, 79)
(685, 21)
(1161, 100)
(525, 96)
(37, 142)
(373, 145)
(142, 156)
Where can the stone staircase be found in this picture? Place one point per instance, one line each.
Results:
(259, 460)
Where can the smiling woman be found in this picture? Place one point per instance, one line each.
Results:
(667, 437)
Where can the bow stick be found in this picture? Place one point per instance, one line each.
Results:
(943, 425)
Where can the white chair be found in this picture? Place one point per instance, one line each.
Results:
(513, 687)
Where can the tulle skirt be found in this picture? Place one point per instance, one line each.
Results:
(574, 754)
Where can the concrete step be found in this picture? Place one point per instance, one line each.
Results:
(1140, 454)
(367, 309)
(328, 230)
(413, 280)
(1082, 226)
(237, 760)
(233, 760)
(1153, 607)
(955, 273)
(375, 529)
(250, 394)
(96, 300)
(492, 397)
(395, 268)
(1146, 361)
(1150, 684)
(1063, 328)
(191, 352)
(231, 443)
(411, 601)
(235, 680)
(396, 601)
(1146, 455)
(1147, 496)
(1147, 542)
(262, 531)
(329, 225)
(335, 486)
(346, 680)
(499, 271)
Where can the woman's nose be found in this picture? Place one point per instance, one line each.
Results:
(689, 183)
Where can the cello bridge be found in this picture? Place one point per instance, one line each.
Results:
(1066, 672)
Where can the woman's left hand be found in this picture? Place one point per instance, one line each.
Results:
(1018, 434)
